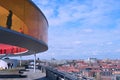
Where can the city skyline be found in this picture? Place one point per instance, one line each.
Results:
(82, 28)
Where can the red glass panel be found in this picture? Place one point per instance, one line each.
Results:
(10, 49)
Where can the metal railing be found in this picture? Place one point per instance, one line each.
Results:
(53, 74)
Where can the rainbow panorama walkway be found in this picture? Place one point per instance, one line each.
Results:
(27, 75)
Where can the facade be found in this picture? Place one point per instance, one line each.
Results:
(23, 27)
(3, 65)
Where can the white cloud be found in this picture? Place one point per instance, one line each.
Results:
(95, 53)
(109, 43)
(44, 2)
(88, 30)
(78, 42)
(90, 12)
(117, 50)
(92, 24)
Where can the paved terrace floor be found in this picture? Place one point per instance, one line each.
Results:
(27, 75)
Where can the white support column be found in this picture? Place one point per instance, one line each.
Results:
(34, 62)
(20, 60)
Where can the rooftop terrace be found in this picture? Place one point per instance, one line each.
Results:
(27, 75)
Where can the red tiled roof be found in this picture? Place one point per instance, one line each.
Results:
(67, 69)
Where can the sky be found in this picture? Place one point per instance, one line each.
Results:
(80, 29)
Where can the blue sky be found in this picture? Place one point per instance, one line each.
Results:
(79, 29)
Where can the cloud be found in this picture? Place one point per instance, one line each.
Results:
(117, 51)
(86, 12)
(109, 43)
(88, 30)
(78, 42)
(82, 27)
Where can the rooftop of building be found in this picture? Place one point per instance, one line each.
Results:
(29, 74)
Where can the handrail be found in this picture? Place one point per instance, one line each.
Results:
(57, 73)
(3, 55)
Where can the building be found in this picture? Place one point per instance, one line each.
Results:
(3, 65)
(23, 28)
